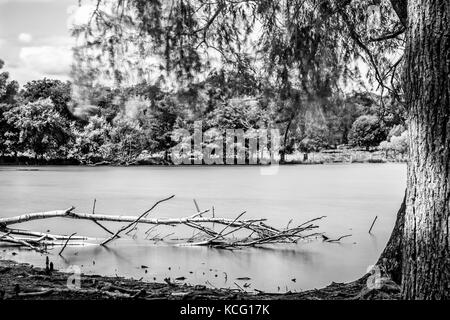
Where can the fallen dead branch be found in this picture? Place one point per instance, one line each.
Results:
(252, 232)
(326, 239)
(47, 236)
(135, 222)
(145, 214)
(35, 294)
(23, 242)
(371, 226)
(65, 244)
(98, 223)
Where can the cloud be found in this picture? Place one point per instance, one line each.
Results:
(48, 60)
(25, 37)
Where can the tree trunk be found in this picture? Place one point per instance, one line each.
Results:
(426, 258)
(283, 149)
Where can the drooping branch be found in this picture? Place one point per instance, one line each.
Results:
(372, 61)
(354, 35)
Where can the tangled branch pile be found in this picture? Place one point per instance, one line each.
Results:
(255, 231)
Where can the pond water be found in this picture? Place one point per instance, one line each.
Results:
(350, 195)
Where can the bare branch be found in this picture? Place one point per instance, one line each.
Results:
(145, 214)
(67, 241)
(98, 223)
(135, 222)
(388, 36)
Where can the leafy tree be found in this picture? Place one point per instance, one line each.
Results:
(367, 131)
(400, 143)
(158, 122)
(308, 145)
(396, 131)
(127, 141)
(38, 128)
(396, 143)
(59, 92)
(91, 141)
(238, 113)
(8, 92)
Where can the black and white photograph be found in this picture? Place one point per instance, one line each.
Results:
(205, 151)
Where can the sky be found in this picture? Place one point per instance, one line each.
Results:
(35, 39)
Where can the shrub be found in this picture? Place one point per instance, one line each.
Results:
(367, 131)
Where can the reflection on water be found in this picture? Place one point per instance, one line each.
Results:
(349, 195)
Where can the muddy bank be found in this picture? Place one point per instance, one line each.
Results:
(23, 281)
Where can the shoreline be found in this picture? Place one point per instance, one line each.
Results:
(346, 156)
(21, 281)
(293, 163)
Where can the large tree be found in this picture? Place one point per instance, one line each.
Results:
(8, 95)
(59, 92)
(418, 252)
(38, 128)
(426, 246)
(310, 45)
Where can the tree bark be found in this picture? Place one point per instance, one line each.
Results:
(426, 258)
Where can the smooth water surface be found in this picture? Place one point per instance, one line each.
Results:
(350, 195)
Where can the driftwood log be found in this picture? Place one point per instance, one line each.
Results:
(257, 231)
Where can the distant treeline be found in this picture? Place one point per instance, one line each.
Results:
(42, 122)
